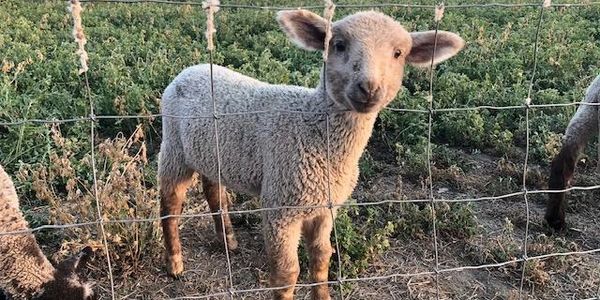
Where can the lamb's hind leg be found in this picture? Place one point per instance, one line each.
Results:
(218, 200)
(316, 233)
(174, 181)
(561, 173)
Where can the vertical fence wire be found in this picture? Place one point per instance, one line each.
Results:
(211, 7)
(95, 178)
(542, 8)
(79, 35)
(328, 15)
(438, 14)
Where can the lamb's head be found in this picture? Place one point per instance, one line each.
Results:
(67, 283)
(367, 54)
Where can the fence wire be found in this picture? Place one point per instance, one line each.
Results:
(527, 132)
(80, 39)
(211, 7)
(328, 13)
(352, 6)
(437, 18)
(96, 118)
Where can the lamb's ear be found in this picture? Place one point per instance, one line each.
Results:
(448, 44)
(303, 27)
(76, 262)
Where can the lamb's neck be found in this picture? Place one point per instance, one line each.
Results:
(349, 131)
(349, 134)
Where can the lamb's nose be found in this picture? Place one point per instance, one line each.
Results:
(368, 89)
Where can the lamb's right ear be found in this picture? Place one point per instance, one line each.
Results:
(303, 27)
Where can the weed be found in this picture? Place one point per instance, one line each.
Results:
(126, 190)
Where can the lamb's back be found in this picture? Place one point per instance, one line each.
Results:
(248, 110)
(585, 121)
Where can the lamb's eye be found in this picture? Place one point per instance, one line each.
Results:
(397, 53)
(339, 46)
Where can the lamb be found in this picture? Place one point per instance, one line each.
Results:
(582, 127)
(281, 156)
(26, 273)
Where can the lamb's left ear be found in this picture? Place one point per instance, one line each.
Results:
(448, 44)
(303, 27)
(76, 262)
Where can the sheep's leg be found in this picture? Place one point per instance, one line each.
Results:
(282, 239)
(218, 201)
(583, 126)
(316, 233)
(561, 173)
(172, 194)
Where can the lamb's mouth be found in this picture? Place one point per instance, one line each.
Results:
(361, 106)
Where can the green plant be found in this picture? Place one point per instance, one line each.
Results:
(453, 220)
(363, 234)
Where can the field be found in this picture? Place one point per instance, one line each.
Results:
(136, 50)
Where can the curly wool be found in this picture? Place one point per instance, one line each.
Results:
(24, 267)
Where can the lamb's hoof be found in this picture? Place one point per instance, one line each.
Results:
(175, 266)
(556, 223)
(232, 243)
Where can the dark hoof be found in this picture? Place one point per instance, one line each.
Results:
(218, 245)
(557, 224)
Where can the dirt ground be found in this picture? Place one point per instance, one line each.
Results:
(500, 236)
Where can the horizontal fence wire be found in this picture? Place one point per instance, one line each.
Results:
(265, 209)
(231, 292)
(404, 275)
(279, 111)
(366, 5)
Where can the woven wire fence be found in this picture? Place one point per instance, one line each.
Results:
(212, 6)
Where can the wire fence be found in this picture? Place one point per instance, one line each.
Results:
(329, 8)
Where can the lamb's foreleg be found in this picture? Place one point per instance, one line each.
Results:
(317, 232)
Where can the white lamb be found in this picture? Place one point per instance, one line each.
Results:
(282, 156)
(25, 271)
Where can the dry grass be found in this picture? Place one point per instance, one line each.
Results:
(125, 191)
